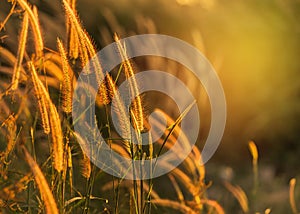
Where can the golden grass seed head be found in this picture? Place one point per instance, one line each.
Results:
(67, 83)
(20, 54)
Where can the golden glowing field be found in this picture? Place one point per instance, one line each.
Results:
(254, 47)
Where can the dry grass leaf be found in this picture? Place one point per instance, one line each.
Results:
(239, 194)
(177, 189)
(7, 56)
(174, 205)
(121, 150)
(53, 69)
(194, 161)
(42, 184)
(10, 59)
(213, 204)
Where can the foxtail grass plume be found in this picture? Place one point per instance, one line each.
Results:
(87, 51)
(86, 47)
(105, 92)
(123, 120)
(56, 137)
(85, 161)
(73, 41)
(67, 82)
(292, 196)
(50, 118)
(254, 152)
(137, 106)
(34, 22)
(42, 98)
(11, 125)
(85, 166)
(21, 50)
(268, 211)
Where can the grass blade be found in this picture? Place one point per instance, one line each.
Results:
(42, 184)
